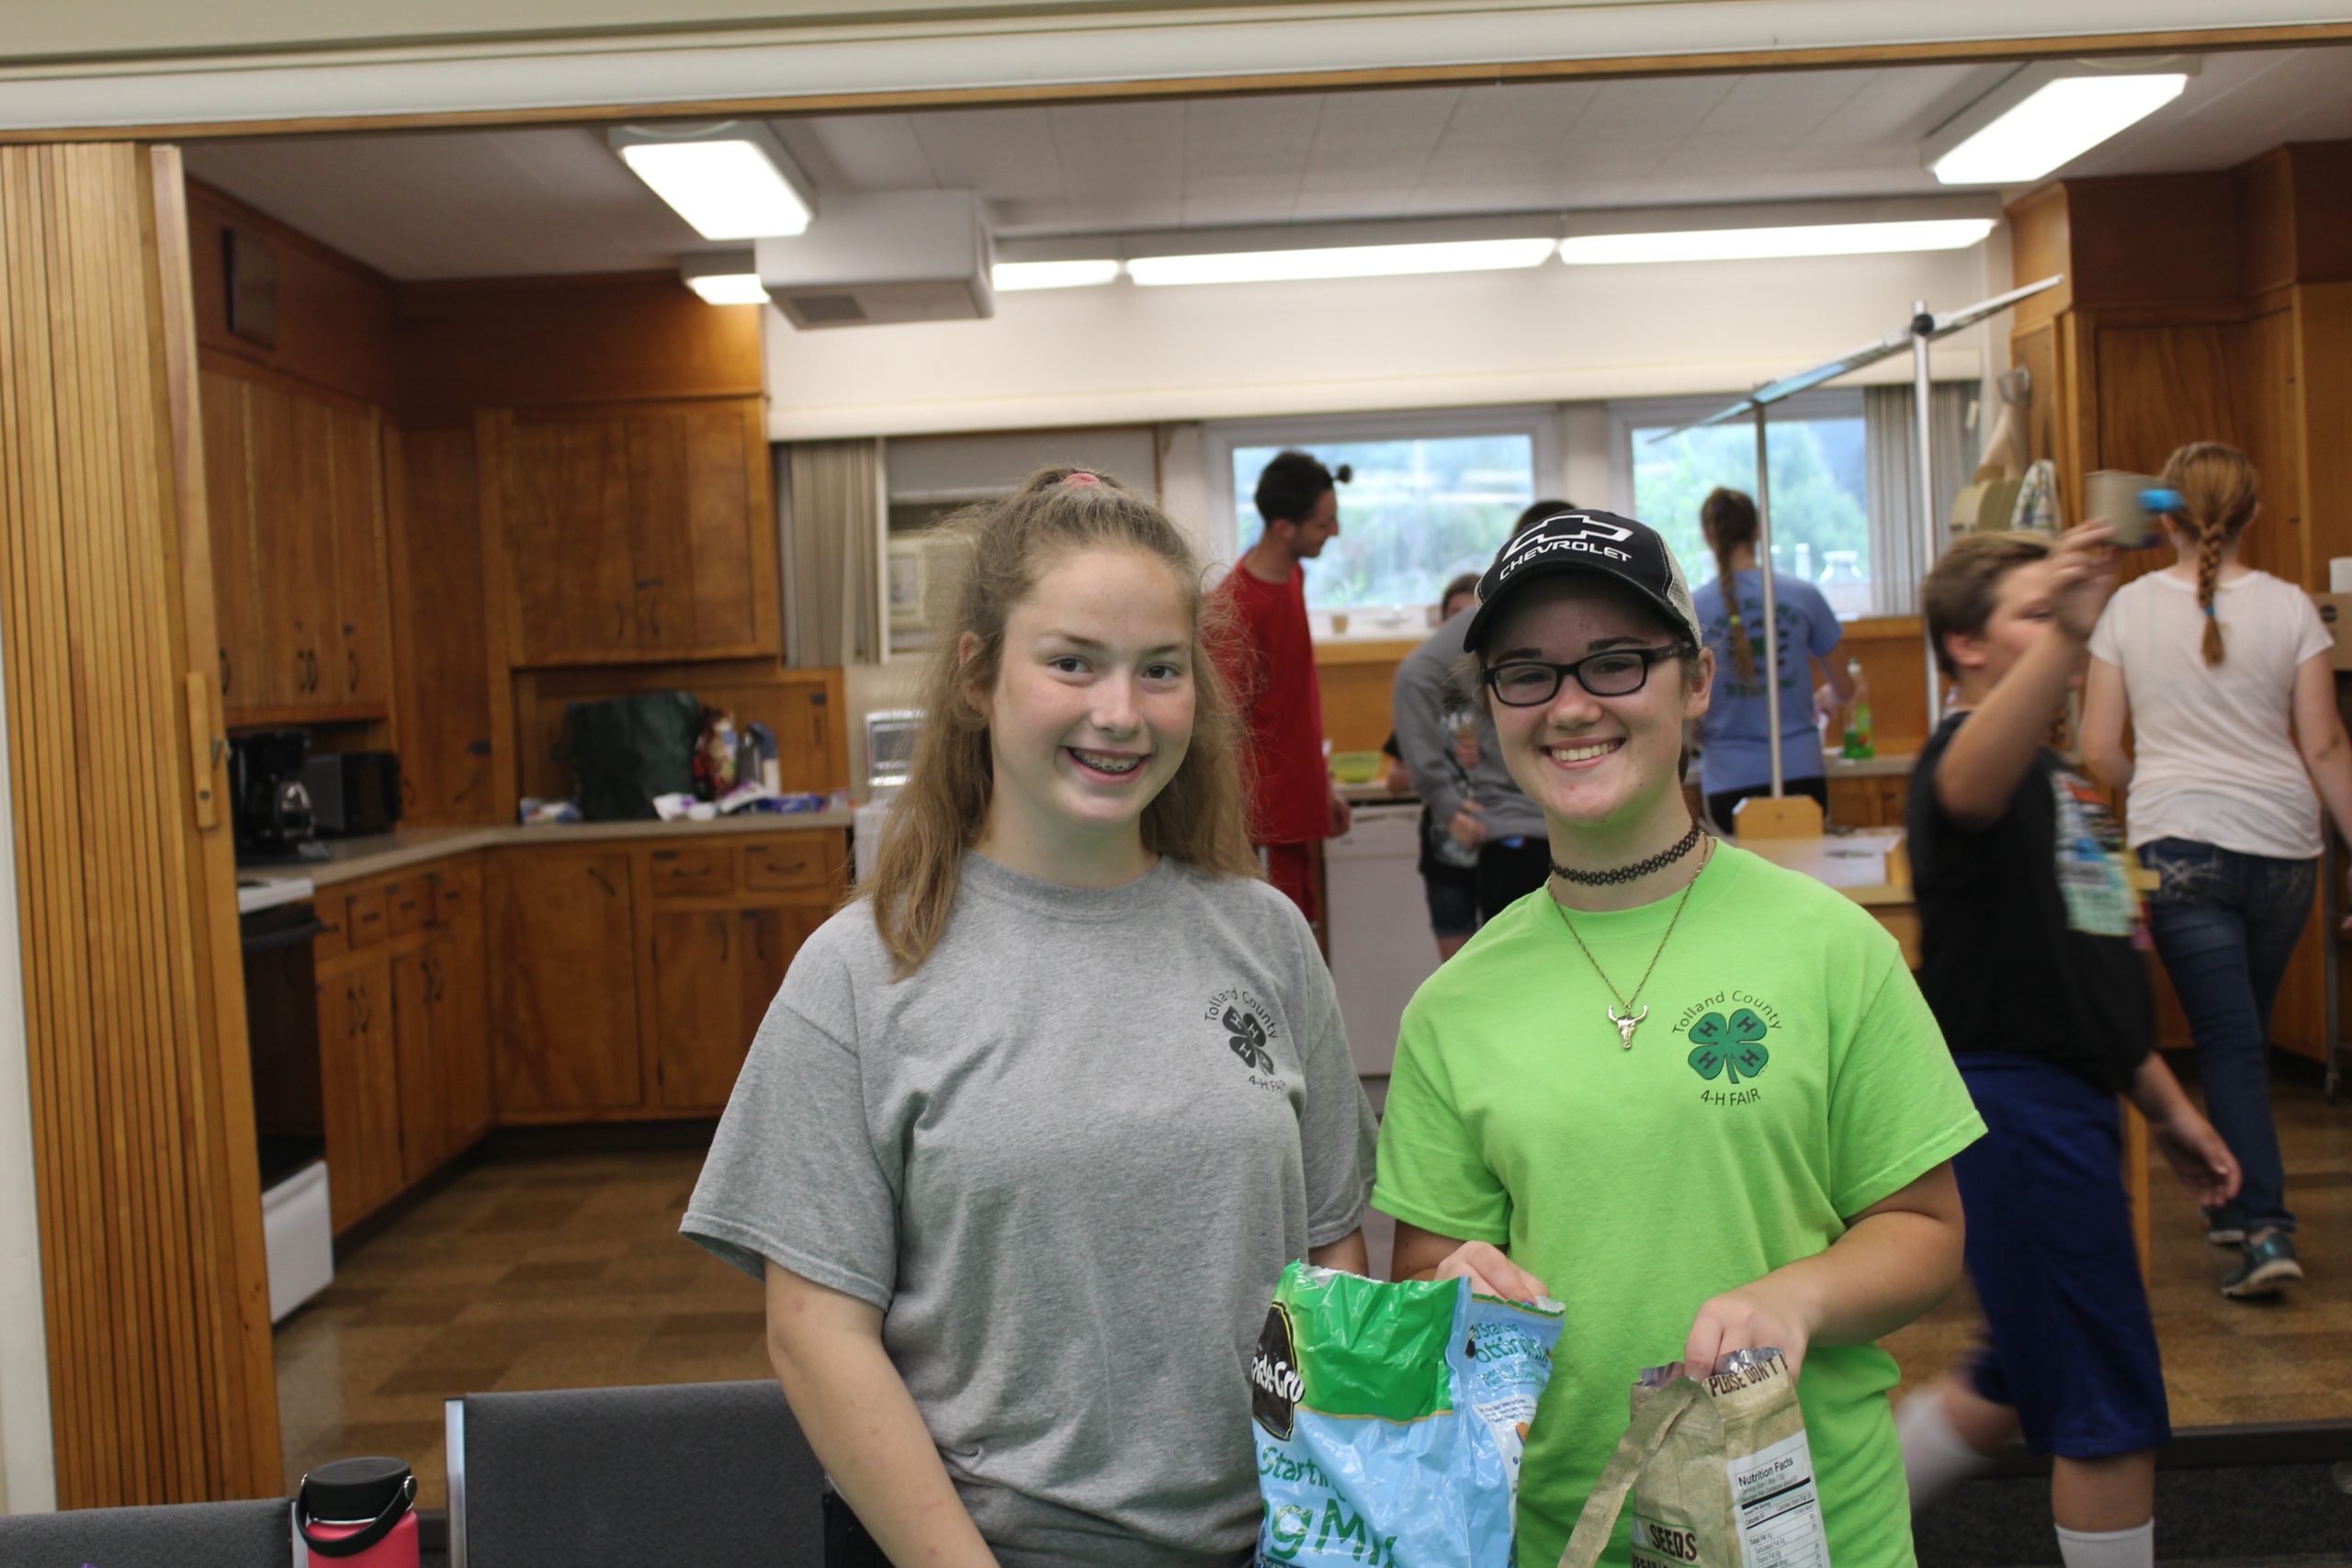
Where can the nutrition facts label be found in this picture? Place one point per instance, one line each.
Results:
(1779, 1507)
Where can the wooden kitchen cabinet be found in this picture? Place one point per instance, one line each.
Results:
(634, 532)
(715, 972)
(236, 573)
(461, 1030)
(359, 637)
(359, 1089)
(563, 1001)
(423, 1130)
(1869, 801)
(294, 490)
(403, 1030)
(444, 1060)
(627, 980)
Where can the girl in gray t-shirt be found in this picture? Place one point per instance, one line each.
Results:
(1032, 1126)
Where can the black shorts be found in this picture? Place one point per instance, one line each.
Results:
(1453, 894)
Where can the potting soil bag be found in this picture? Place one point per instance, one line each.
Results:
(1390, 1419)
(1719, 1471)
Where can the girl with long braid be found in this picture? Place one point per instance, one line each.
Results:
(1735, 737)
(2224, 675)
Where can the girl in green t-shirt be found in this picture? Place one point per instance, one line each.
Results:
(1694, 1096)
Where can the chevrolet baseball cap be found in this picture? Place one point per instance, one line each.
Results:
(1599, 542)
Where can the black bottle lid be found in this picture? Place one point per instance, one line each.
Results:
(350, 1491)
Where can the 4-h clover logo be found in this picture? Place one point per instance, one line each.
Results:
(1734, 1045)
(1249, 1040)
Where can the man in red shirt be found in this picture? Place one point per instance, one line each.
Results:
(1271, 667)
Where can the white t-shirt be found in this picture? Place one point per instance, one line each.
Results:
(2214, 758)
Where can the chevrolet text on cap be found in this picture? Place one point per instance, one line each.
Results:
(1589, 542)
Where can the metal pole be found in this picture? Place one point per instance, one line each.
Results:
(1769, 665)
(1923, 326)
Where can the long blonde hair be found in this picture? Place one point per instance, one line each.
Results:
(1001, 549)
(2219, 489)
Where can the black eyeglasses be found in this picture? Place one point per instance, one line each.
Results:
(1532, 682)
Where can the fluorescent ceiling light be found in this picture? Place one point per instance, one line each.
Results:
(1756, 244)
(729, 288)
(2059, 123)
(1339, 261)
(731, 181)
(1013, 276)
(724, 278)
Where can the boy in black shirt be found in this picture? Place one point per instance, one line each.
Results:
(2031, 939)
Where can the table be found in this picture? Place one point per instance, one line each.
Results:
(1868, 866)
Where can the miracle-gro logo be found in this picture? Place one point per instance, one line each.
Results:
(1275, 1385)
(1277, 1378)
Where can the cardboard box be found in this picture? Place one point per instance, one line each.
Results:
(2335, 614)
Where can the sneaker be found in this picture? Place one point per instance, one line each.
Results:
(2269, 1264)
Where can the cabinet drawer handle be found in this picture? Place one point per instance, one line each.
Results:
(351, 658)
(226, 667)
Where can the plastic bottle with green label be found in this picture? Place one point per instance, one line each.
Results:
(1858, 727)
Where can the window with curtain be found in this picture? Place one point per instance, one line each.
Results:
(831, 497)
(1432, 495)
(1844, 497)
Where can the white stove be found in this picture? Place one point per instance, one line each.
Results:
(269, 892)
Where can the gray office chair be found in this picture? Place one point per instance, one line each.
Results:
(715, 1474)
(185, 1535)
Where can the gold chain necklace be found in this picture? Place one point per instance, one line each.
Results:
(1631, 1020)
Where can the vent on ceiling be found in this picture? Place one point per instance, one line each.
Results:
(914, 255)
(823, 310)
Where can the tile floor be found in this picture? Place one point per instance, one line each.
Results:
(566, 1271)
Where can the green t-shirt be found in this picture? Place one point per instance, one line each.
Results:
(1788, 1075)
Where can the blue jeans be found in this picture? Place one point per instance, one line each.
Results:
(2225, 925)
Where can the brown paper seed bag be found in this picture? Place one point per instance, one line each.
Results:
(1718, 1469)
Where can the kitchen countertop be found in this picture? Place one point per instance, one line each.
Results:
(351, 859)
(1376, 793)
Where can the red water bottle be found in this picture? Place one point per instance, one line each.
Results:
(358, 1513)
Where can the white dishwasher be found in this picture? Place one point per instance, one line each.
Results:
(1378, 924)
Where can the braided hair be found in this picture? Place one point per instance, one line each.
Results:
(1727, 517)
(2219, 489)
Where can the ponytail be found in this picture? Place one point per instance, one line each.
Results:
(2219, 489)
(1727, 517)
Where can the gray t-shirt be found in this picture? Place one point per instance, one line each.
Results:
(1068, 1158)
(1425, 688)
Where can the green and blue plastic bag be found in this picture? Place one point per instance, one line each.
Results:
(1390, 1419)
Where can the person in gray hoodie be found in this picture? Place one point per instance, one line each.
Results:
(1475, 805)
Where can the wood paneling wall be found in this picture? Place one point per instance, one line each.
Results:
(156, 1291)
(803, 707)
(334, 316)
(2209, 306)
(547, 342)
(439, 633)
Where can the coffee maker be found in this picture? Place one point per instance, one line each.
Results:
(268, 801)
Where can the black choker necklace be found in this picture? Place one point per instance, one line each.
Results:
(1635, 871)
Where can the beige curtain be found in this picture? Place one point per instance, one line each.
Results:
(1898, 542)
(831, 493)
